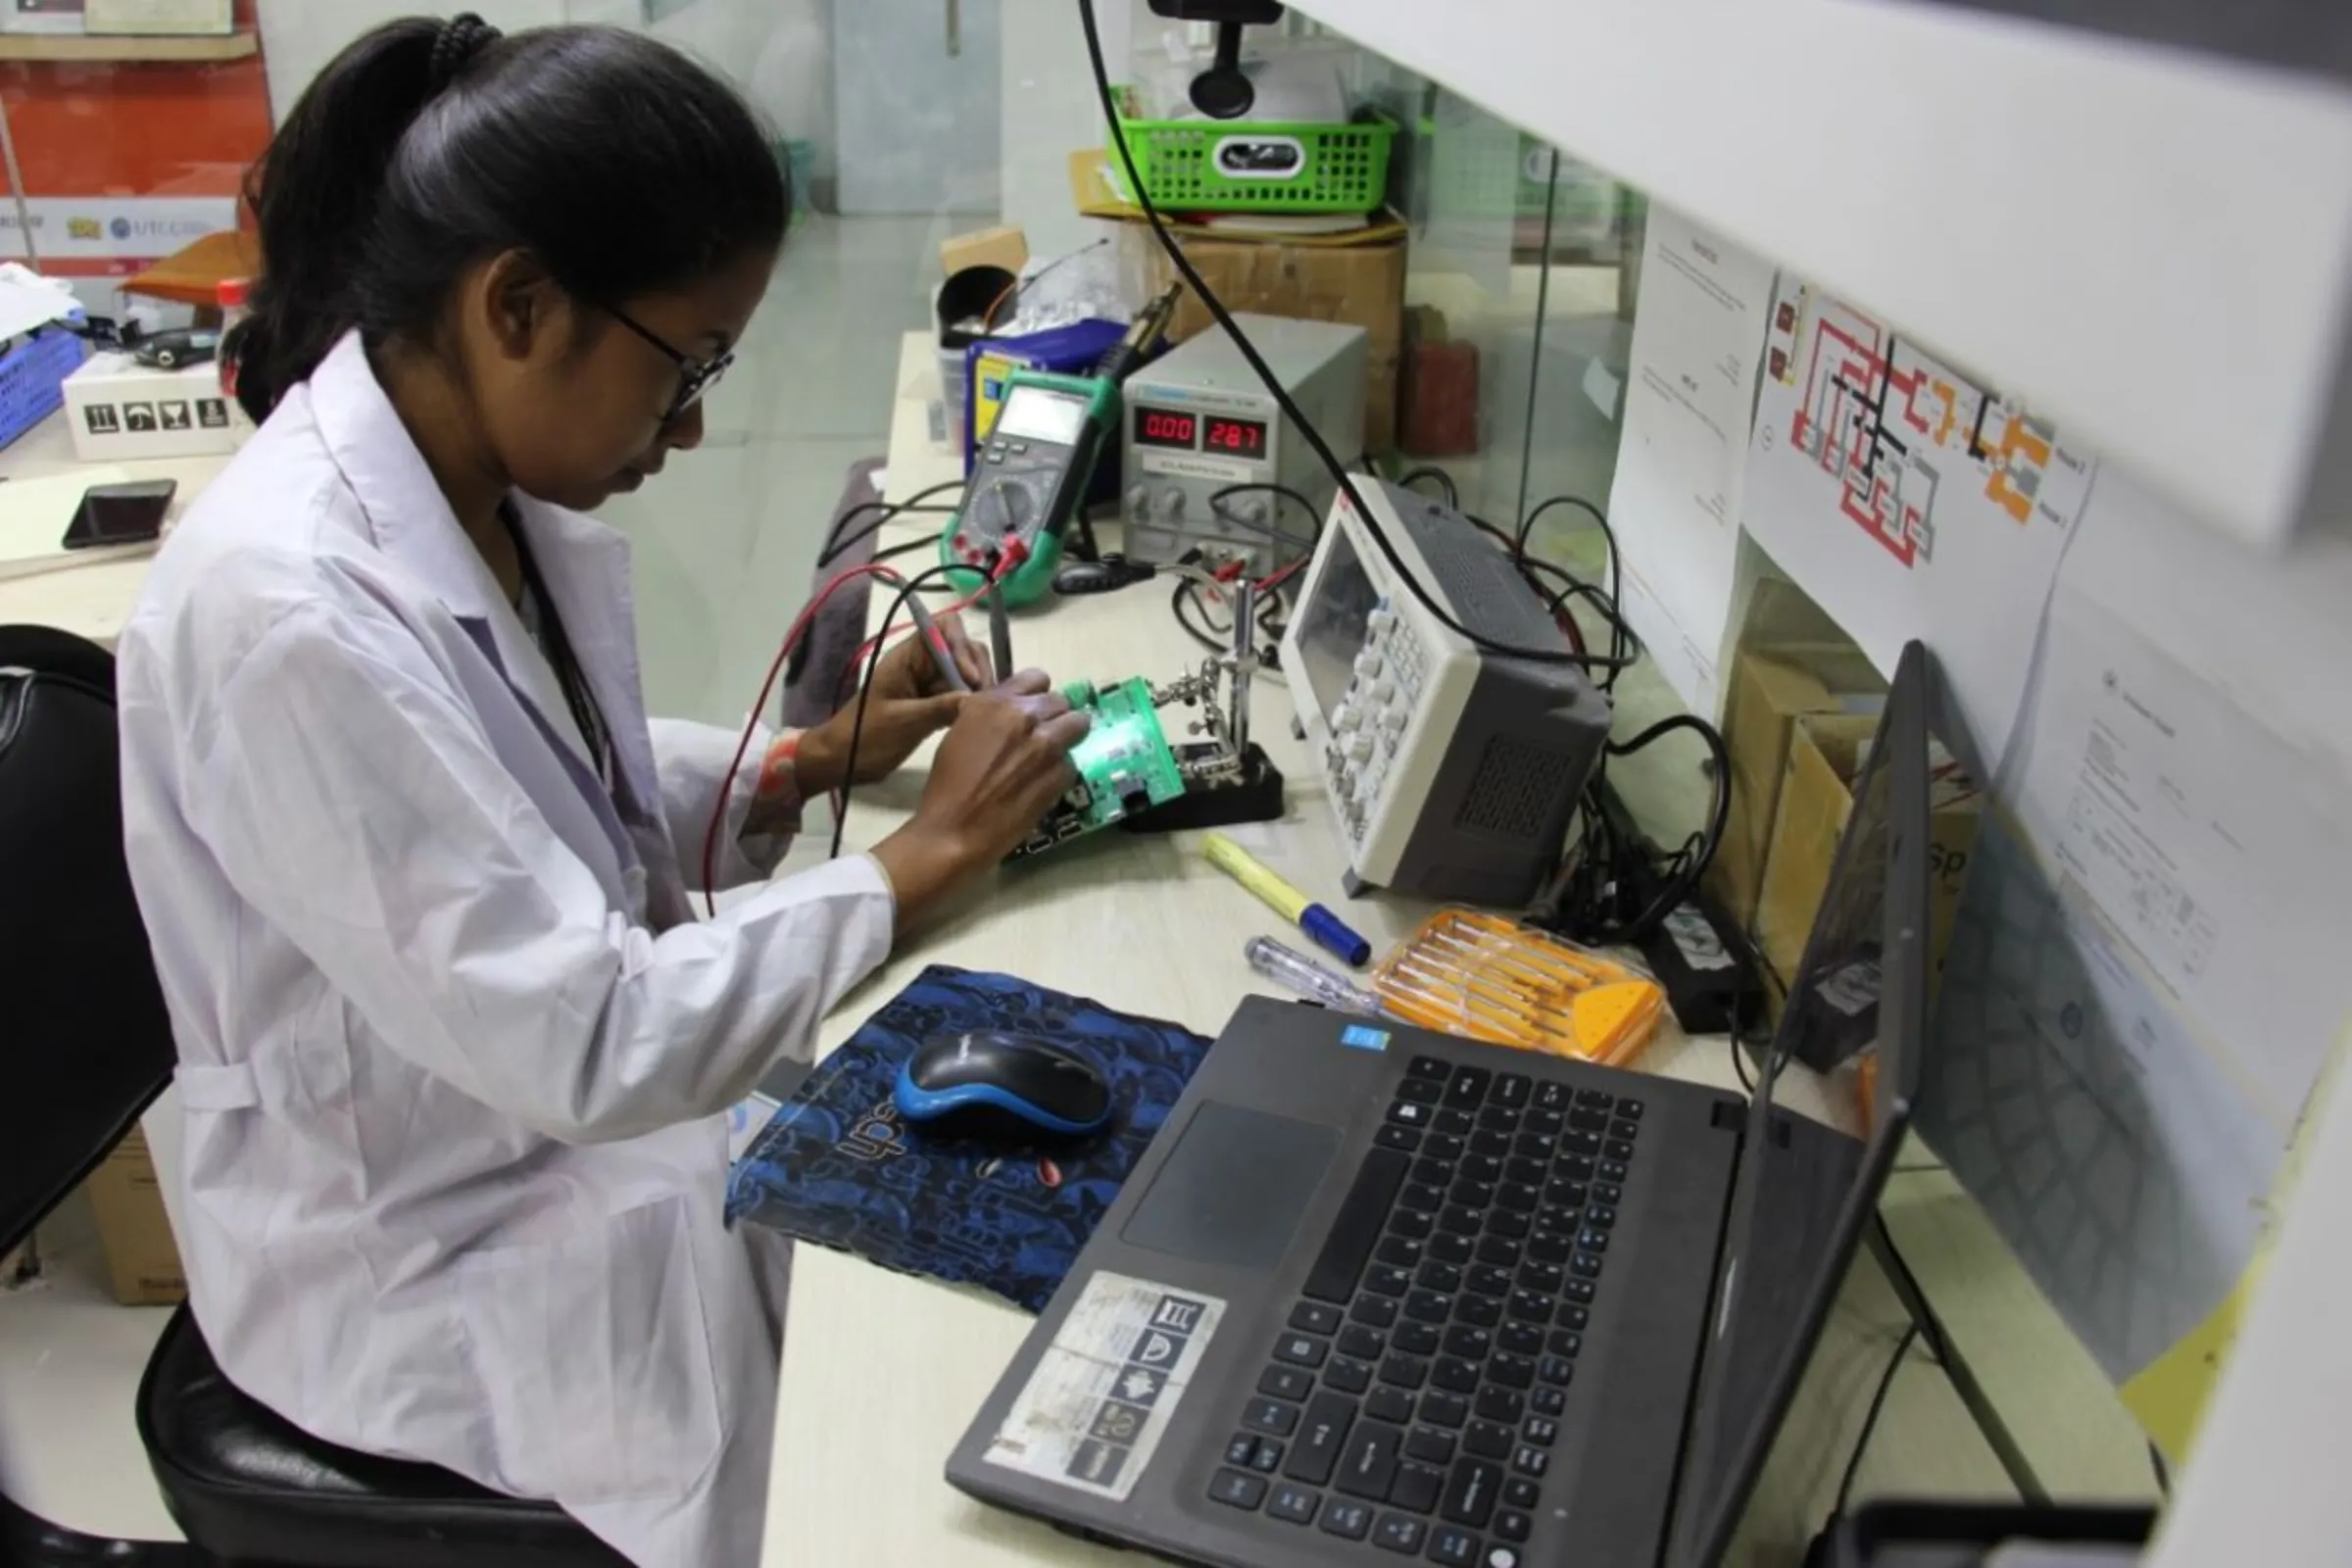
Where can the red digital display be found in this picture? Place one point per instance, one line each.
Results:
(1243, 437)
(1157, 427)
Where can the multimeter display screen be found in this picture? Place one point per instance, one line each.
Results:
(1244, 438)
(1159, 427)
(1033, 414)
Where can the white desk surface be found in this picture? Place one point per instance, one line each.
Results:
(92, 599)
(883, 1371)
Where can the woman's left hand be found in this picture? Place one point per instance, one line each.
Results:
(907, 702)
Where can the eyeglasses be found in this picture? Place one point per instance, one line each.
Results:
(695, 376)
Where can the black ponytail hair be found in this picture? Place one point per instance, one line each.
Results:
(426, 146)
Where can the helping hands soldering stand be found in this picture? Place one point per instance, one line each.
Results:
(1228, 777)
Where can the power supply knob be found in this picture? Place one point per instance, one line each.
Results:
(1139, 501)
(1171, 504)
(1253, 509)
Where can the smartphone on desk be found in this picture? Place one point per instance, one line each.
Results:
(121, 514)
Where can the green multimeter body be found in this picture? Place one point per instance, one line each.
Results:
(1029, 479)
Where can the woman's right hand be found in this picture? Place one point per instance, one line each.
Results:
(1001, 766)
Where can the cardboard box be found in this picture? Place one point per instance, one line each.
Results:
(1780, 614)
(1768, 693)
(1357, 286)
(1289, 267)
(1825, 754)
(141, 1257)
(1007, 248)
(119, 408)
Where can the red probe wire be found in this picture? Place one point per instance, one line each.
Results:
(1014, 554)
(792, 640)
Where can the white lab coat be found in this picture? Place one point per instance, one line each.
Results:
(454, 1054)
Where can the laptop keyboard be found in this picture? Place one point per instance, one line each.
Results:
(1412, 1400)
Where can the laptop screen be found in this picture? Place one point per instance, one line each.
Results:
(1799, 1204)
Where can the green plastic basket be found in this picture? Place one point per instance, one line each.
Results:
(1260, 165)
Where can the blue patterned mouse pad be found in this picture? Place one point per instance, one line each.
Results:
(835, 1164)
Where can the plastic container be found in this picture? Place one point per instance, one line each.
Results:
(1213, 165)
(1071, 350)
(32, 378)
(1489, 978)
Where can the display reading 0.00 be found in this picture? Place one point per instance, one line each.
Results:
(1243, 437)
(1158, 427)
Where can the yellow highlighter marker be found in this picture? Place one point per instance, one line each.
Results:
(1330, 932)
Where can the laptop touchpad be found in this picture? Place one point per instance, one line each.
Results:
(1233, 1191)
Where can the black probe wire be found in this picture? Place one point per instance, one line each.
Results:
(1453, 497)
(1282, 492)
(1555, 600)
(1620, 636)
(1739, 1055)
(1752, 951)
(1273, 383)
(1870, 1422)
(1597, 850)
(910, 547)
(1527, 524)
(1187, 593)
(1621, 640)
(1272, 529)
(866, 687)
(1219, 639)
(1491, 531)
(836, 546)
(840, 544)
(836, 543)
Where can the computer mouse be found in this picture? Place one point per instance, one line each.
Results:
(1007, 1088)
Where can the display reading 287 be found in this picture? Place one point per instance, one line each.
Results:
(1246, 437)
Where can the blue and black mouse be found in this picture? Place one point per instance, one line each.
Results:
(1006, 1087)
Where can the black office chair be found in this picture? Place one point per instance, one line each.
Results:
(85, 1046)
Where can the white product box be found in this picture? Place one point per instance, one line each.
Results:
(157, 17)
(118, 407)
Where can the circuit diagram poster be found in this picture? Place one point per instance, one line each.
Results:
(1911, 499)
(1690, 392)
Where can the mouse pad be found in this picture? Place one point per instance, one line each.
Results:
(835, 1164)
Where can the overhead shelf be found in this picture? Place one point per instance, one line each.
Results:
(70, 48)
(2153, 247)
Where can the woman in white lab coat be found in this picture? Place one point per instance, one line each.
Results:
(454, 1052)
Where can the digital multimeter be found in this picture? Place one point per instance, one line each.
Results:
(1029, 479)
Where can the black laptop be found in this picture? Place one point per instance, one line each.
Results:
(1377, 1294)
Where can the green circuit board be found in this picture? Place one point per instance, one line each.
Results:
(1124, 765)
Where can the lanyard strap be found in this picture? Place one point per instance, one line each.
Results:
(546, 627)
